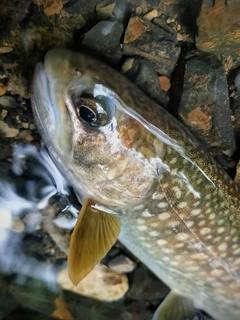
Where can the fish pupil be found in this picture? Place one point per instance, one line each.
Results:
(88, 115)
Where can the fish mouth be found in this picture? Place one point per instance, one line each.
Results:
(50, 112)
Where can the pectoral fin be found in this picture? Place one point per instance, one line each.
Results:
(174, 307)
(94, 234)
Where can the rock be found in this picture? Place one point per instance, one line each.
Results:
(165, 83)
(8, 102)
(4, 113)
(151, 14)
(11, 13)
(143, 75)
(145, 286)
(144, 39)
(122, 264)
(2, 90)
(8, 132)
(51, 7)
(218, 29)
(83, 7)
(101, 283)
(104, 38)
(25, 135)
(234, 89)
(104, 9)
(205, 103)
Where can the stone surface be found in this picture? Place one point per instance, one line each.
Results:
(121, 264)
(144, 39)
(101, 283)
(205, 103)
(218, 25)
(104, 38)
(143, 75)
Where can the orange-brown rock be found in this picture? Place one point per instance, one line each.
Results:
(219, 29)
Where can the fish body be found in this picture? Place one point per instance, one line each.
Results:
(178, 209)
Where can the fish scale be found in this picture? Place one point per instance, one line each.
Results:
(138, 171)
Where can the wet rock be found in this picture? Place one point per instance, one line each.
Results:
(144, 39)
(8, 102)
(101, 283)
(83, 7)
(25, 135)
(104, 38)
(205, 103)
(50, 7)
(104, 9)
(11, 13)
(6, 131)
(145, 286)
(143, 75)
(234, 89)
(218, 25)
(122, 264)
(2, 90)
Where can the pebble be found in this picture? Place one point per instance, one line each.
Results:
(51, 7)
(104, 38)
(101, 283)
(143, 75)
(104, 9)
(165, 83)
(122, 264)
(4, 113)
(201, 109)
(25, 125)
(8, 102)
(2, 90)
(147, 40)
(218, 29)
(7, 131)
(151, 15)
(145, 286)
(25, 135)
(17, 225)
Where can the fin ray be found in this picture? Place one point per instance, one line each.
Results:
(94, 234)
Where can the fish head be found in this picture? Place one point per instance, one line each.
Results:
(92, 132)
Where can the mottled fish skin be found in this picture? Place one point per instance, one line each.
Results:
(179, 210)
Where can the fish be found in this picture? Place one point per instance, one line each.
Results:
(142, 178)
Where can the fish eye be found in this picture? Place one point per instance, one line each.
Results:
(91, 113)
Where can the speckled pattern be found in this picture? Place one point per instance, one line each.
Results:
(178, 208)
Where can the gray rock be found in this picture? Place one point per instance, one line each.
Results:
(204, 105)
(8, 102)
(104, 38)
(122, 264)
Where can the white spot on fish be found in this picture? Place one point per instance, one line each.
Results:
(146, 213)
(141, 221)
(212, 216)
(177, 191)
(164, 216)
(196, 212)
(161, 242)
(158, 196)
(162, 205)
(182, 205)
(222, 247)
(182, 236)
(154, 233)
(221, 230)
(142, 228)
(189, 224)
(173, 224)
(205, 231)
(173, 161)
